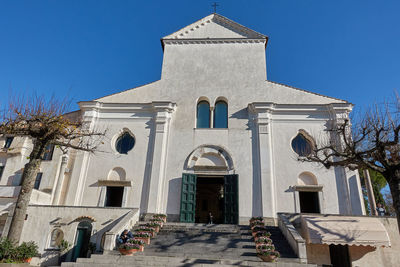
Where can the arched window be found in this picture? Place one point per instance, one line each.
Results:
(124, 143)
(221, 115)
(301, 145)
(203, 114)
(56, 237)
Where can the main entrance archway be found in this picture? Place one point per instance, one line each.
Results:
(209, 191)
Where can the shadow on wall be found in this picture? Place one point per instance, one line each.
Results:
(174, 193)
(16, 179)
(341, 190)
(355, 196)
(147, 170)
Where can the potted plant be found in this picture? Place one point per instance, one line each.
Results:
(154, 225)
(259, 234)
(161, 216)
(258, 229)
(147, 229)
(26, 251)
(158, 221)
(253, 219)
(268, 255)
(263, 240)
(144, 236)
(264, 246)
(256, 224)
(128, 248)
(137, 241)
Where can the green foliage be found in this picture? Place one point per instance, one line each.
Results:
(64, 245)
(7, 249)
(378, 183)
(27, 250)
(11, 253)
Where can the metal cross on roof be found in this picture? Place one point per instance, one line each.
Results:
(215, 7)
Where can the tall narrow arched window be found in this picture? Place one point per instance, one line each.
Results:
(203, 114)
(221, 115)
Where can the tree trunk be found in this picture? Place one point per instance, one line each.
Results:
(28, 180)
(394, 185)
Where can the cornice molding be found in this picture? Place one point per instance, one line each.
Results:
(213, 41)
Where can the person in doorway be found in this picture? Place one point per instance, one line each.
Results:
(380, 209)
(210, 218)
(124, 236)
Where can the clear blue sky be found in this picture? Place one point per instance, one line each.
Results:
(88, 49)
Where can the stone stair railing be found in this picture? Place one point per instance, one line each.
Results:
(126, 222)
(293, 237)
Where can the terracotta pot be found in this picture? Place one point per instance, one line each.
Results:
(268, 258)
(141, 248)
(28, 260)
(128, 252)
(144, 239)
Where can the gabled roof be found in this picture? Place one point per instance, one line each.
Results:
(215, 26)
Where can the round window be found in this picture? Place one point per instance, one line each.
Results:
(301, 145)
(124, 143)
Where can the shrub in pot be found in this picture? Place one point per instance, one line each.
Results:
(140, 242)
(160, 216)
(268, 256)
(26, 251)
(144, 236)
(128, 248)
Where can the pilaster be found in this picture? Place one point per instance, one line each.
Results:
(262, 114)
(161, 122)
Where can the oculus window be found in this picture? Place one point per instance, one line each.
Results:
(124, 143)
(203, 115)
(301, 145)
(221, 115)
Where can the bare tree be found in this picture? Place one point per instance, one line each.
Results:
(44, 122)
(372, 142)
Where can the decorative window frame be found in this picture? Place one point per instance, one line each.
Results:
(114, 139)
(306, 136)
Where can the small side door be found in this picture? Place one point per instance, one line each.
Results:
(188, 198)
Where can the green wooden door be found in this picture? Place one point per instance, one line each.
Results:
(188, 198)
(231, 199)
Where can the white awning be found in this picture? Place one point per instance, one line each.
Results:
(344, 230)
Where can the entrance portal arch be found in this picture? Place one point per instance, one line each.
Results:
(209, 159)
(209, 191)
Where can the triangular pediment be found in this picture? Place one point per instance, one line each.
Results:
(215, 26)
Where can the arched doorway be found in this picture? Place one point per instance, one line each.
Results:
(209, 190)
(82, 239)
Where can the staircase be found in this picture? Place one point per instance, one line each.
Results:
(181, 244)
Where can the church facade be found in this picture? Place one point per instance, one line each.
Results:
(213, 139)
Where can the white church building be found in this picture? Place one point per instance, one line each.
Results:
(212, 137)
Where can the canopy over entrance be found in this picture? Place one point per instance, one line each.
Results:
(343, 230)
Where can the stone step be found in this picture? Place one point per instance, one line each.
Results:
(140, 260)
(224, 228)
